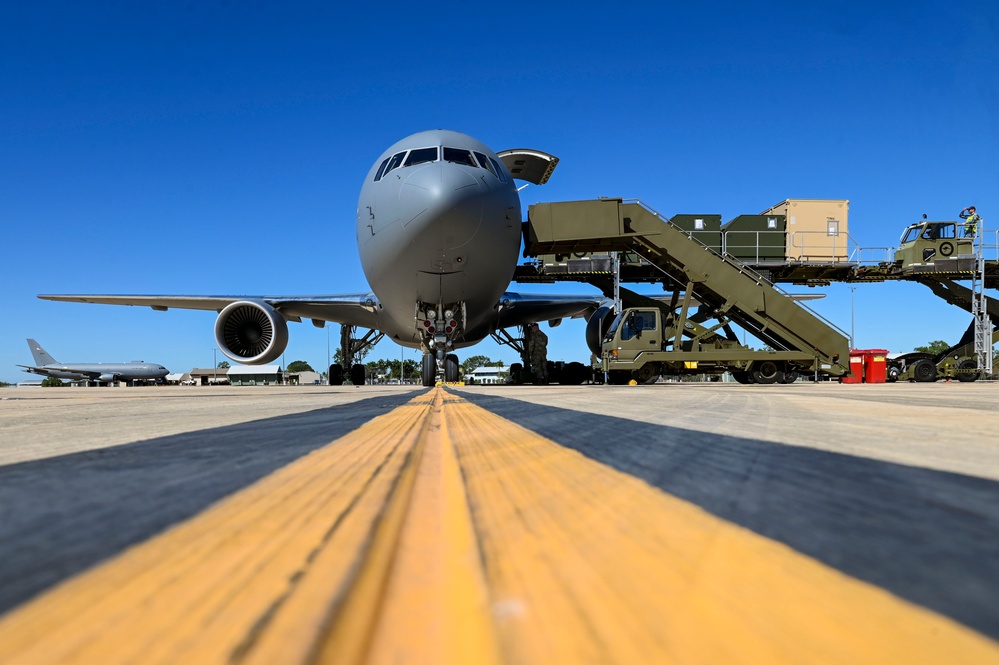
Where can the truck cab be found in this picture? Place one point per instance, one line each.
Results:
(932, 242)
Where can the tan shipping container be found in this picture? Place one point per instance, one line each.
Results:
(816, 228)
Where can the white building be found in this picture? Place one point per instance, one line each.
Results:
(488, 375)
(255, 375)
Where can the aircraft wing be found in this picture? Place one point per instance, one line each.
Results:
(517, 309)
(60, 373)
(356, 309)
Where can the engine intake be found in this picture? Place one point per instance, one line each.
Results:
(249, 332)
(596, 326)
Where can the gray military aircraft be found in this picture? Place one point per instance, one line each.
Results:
(439, 233)
(46, 365)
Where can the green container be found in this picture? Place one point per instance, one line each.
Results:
(756, 238)
(706, 229)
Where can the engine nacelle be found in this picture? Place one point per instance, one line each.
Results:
(596, 326)
(249, 332)
(107, 378)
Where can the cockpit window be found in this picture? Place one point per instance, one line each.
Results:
(421, 156)
(484, 162)
(393, 163)
(458, 156)
(381, 170)
(499, 170)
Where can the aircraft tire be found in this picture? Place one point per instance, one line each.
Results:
(451, 368)
(336, 375)
(357, 373)
(429, 370)
(617, 377)
(573, 374)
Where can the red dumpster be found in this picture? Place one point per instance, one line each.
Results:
(856, 374)
(875, 365)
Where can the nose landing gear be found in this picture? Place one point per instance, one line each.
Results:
(431, 366)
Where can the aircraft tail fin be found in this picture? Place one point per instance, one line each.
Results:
(41, 356)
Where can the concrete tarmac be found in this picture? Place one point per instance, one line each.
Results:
(894, 486)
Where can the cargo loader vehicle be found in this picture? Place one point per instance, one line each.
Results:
(689, 330)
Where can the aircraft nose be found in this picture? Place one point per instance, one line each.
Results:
(444, 198)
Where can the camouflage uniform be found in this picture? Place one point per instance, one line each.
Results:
(537, 353)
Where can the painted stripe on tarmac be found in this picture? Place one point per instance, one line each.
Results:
(931, 537)
(442, 533)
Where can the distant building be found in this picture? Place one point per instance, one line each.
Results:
(488, 375)
(209, 376)
(255, 375)
(306, 378)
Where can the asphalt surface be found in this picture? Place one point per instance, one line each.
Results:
(896, 485)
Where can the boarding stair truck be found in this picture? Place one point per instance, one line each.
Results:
(959, 361)
(670, 336)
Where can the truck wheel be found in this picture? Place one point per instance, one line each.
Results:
(647, 373)
(924, 371)
(767, 372)
(967, 370)
(742, 377)
(892, 374)
(790, 376)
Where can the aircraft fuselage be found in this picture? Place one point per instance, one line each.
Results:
(438, 232)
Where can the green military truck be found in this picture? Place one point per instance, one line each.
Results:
(643, 343)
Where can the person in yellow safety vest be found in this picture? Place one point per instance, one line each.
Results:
(971, 220)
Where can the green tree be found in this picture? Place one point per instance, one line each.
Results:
(52, 382)
(223, 365)
(299, 366)
(359, 358)
(474, 362)
(934, 347)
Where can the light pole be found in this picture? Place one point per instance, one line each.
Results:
(215, 365)
(853, 344)
(327, 326)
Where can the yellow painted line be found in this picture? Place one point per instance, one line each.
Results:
(587, 564)
(441, 533)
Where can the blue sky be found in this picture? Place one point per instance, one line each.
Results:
(219, 148)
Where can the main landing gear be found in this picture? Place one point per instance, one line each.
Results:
(351, 349)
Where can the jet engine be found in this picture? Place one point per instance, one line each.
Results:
(251, 332)
(596, 326)
(107, 378)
